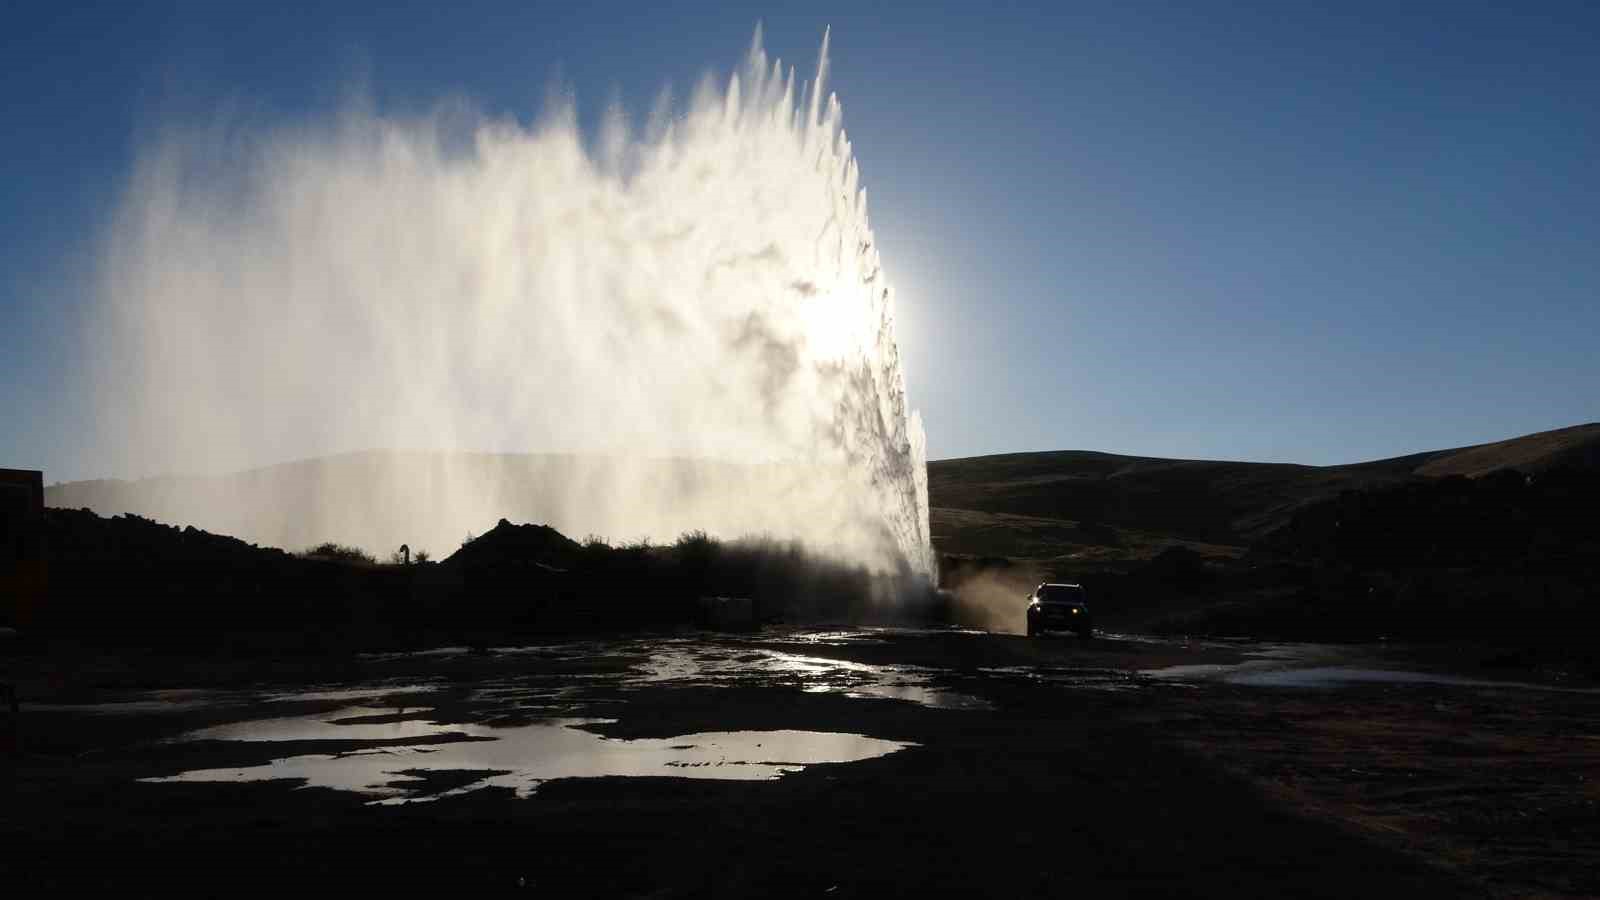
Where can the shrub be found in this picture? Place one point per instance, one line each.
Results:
(340, 553)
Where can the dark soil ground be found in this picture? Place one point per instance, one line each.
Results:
(1082, 775)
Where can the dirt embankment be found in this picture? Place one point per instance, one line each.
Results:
(132, 582)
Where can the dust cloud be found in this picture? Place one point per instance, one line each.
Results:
(992, 599)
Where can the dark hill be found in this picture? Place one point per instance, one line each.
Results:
(508, 543)
(1079, 505)
(1504, 521)
(1576, 447)
(1090, 505)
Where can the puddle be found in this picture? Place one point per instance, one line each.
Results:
(518, 758)
(121, 707)
(344, 725)
(932, 697)
(1265, 658)
(185, 700)
(168, 701)
(1340, 676)
(1280, 665)
(423, 654)
(834, 638)
(1087, 678)
(731, 666)
(1153, 639)
(366, 693)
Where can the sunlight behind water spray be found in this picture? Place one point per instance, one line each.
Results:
(697, 312)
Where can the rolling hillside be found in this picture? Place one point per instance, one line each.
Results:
(1084, 506)
(378, 500)
(1091, 506)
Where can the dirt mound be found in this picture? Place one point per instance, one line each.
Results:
(508, 543)
(78, 535)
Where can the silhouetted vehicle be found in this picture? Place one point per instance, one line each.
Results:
(1059, 607)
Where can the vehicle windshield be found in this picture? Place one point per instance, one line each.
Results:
(1058, 593)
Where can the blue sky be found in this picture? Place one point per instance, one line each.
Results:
(1251, 231)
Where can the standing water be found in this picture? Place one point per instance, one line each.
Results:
(689, 323)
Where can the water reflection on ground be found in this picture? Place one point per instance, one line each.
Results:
(1339, 676)
(1262, 657)
(728, 666)
(143, 703)
(356, 723)
(361, 693)
(1279, 665)
(516, 718)
(518, 758)
(186, 700)
(1082, 677)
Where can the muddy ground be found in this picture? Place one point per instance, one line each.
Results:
(696, 765)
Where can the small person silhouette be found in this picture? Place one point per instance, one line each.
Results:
(405, 554)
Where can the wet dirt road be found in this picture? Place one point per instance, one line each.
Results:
(828, 763)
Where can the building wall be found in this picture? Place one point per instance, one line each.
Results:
(22, 566)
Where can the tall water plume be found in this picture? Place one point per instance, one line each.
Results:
(696, 314)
